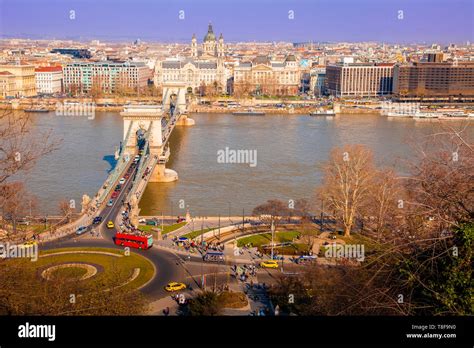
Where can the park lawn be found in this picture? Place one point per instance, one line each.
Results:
(293, 249)
(166, 228)
(194, 234)
(266, 238)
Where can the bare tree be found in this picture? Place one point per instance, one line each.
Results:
(20, 146)
(347, 178)
(66, 210)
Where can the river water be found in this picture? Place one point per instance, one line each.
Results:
(288, 150)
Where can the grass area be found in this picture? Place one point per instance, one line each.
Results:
(258, 240)
(197, 233)
(113, 271)
(73, 273)
(229, 299)
(293, 249)
(166, 228)
(266, 238)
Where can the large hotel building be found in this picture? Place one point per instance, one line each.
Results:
(359, 79)
(17, 80)
(108, 77)
(434, 80)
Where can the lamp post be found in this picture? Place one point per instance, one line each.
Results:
(322, 215)
(272, 228)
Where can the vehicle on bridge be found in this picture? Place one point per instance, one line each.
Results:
(135, 240)
(214, 256)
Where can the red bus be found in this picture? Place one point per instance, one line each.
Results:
(138, 241)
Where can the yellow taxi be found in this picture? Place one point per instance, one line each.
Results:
(269, 264)
(110, 224)
(174, 286)
(29, 243)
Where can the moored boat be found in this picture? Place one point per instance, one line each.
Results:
(248, 112)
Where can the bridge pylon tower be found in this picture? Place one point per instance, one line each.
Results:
(147, 119)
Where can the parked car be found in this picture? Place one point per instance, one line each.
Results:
(110, 203)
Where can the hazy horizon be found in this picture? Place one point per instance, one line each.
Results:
(424, 21)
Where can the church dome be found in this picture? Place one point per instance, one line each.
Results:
(210, 36)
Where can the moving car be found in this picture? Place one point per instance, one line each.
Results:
(114, 194)
(97, 220)
(174, 286)
(110, 224)
(29, 243)
(81, 230)
(122, 181)
(110, 203)
(305, 259)
(269, 264)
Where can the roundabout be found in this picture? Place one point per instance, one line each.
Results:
(99, 268)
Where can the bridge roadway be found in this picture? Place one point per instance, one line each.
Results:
(168, 265)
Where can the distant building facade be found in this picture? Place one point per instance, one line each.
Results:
(263, 76)
(49, 80)
(107, 77)
(435, 80)
(203, 72)
(359, 79)
(317, 81)
(23, 77)
(194, 73)
(7, 84)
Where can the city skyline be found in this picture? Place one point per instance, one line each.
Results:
(264, 20)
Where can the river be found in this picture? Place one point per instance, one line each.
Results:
(288, 151)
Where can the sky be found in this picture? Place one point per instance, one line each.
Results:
(441, 21)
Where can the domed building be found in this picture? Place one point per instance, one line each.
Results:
(211, 47)
(205, 68)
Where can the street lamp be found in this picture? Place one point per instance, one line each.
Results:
(272, 228)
